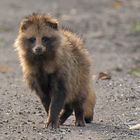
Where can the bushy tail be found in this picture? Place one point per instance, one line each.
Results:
(89, 106)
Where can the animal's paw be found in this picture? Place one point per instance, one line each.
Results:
(80, 123)
(53, 124)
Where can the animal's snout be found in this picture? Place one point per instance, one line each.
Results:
(39, 50)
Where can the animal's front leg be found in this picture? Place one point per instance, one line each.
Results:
(57, 103)
(44, 97)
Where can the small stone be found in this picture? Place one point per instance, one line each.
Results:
(68, 130)
(20, 113)
(5, 121)
(81, 132)
(6, 133)
(63, 133)
(61, 137)
(19, 132)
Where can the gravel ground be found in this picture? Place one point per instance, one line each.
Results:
(111, 30)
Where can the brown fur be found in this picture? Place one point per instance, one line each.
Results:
(61, 74)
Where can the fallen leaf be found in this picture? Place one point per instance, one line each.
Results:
(135, 71)
(117, 4)
(5, 69)
(104, 76)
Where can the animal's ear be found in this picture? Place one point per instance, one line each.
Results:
(25, 23)
(53, 23)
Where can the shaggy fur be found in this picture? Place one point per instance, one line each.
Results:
(57, 66)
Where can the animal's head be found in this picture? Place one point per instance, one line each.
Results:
(39, 35)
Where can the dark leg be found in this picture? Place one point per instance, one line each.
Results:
(88, 119)
(66, 113)
(45, 101)
(44, 97)
(57, 102)
(79, 113)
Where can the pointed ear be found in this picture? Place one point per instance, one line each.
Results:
(53, 23)
(25, 23)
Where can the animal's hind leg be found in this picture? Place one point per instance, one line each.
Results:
(79, 113)
(67, 111)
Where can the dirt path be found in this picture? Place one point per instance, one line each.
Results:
(112, 33)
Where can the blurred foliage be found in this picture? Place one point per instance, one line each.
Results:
(136, 27)
(117, 4)
(135, 72)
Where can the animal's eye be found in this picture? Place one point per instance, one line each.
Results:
(45, 39)
(32, 40)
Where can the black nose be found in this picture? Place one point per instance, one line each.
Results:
(38, 50)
